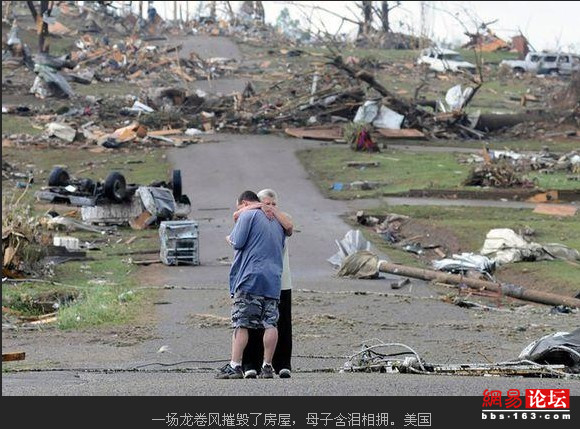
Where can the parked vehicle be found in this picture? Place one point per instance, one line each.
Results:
(529, 64)
(443, 60)
(559, 64)
(550, 63)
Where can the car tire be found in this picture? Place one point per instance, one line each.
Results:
(115, 187)
(176, 184)
(58, 177)
(553, 72)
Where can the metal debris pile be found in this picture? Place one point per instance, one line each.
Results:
(553, 356)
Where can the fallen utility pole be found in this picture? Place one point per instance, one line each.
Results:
(506, 289)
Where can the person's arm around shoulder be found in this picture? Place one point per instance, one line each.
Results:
(254, 206)
(285, 220)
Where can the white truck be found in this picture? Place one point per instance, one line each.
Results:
(529, 64)
(559, 64)
(443, 60)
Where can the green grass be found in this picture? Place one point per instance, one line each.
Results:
(101, 288)
(470, 226)
(400, 170)
(100, 282)
(499, 144)
(99, 304)
(19, 125)
(488, 57)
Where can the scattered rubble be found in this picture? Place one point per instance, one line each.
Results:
(505, 246)
(497, 175)
(553, 356)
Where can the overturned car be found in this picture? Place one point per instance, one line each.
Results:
(113, 201)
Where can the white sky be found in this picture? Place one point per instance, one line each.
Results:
(546, 24)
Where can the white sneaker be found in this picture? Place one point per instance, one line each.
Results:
(284, 373)
(251, 373)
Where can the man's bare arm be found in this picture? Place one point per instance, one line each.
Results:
(284, 219)
(253, 206)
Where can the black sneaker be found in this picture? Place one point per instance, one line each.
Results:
(284, 373)
(227, 372)
(267, 372)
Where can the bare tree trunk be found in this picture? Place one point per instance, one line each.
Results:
(260, 14)
(174, 11)
(6, 9)
(140, 9)
(42, 46)
(385, 16)
(32, 10)
(367, 9)
(231, 12)
(212, 10)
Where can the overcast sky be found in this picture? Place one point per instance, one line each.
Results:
(547, 24)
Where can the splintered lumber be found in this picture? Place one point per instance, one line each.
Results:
(8, 357)
(505, 289)
(402, 134)
(171, 132)
(325, 132)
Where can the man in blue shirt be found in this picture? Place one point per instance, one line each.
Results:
(255, 281)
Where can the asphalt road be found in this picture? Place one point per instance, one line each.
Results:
(331, 316)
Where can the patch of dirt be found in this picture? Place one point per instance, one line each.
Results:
(209, 321)
(322, 325)
(428, 235)
(126, 336)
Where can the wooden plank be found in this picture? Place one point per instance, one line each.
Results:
(37, 318)
(363, 164)
(13, 356)
(178, 71)
(147, 262)
(333, 132)
(555, 210)
(170, 132)
(402, 134)
(131, 240)
(142, 221)
(135, 75)
(44, 321)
